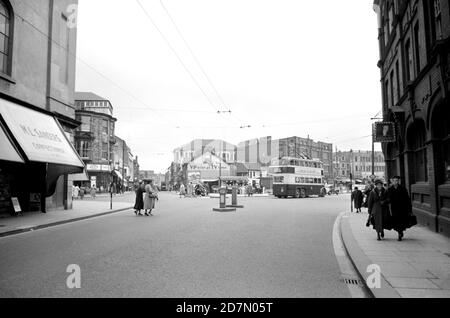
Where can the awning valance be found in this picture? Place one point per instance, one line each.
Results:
(118, 174)
(8, 152)
(78, 177)
(39, 135)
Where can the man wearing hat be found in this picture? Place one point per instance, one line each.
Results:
(379, 209)
(401, 208)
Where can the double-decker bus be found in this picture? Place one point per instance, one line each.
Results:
(298, 178)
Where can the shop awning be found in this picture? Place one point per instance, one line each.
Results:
(78, 177)
(39, 135)
(8, 152)
(118, 174)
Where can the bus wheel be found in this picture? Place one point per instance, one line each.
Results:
(297, 194)
(303, 193)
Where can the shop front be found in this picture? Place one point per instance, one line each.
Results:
(36, 159)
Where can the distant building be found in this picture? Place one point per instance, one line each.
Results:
(414, 42)
(264, 149)
(95, 140)
(198, 147)
(359, 164)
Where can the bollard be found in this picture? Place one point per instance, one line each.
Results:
(234, 201)
(223, 202)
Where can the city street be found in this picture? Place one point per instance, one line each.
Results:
(271, 248)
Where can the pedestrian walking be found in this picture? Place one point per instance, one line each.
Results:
(149, 198)
(139, 202)
(75, 192)
(94, 192)
(182, 191)
(379, 213)
(401, 208)
(369, 188)
(82, 193)
(357, 198)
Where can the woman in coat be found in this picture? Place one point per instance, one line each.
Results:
(357, 197)
(139, 203)
(401, 208)
(149, 198)
(379, 209)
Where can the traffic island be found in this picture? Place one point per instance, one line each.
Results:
(224, 210)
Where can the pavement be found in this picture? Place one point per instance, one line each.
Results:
(417, 267)
(83, 209)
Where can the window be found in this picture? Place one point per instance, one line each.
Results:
(105, 151)
(105, 126)
(417, 47)
(392, 102)
(397, 74)
(388, 94)
(84, 148)
(409, 61)
(85, 124)
(438, 17)
(391, 19)
(5, 38)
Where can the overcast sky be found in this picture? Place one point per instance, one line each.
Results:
(284, 67)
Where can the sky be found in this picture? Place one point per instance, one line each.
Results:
(283, 67)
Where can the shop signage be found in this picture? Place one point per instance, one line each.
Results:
(91, 167)
(384, 132)
(16, 204)
(39, 135)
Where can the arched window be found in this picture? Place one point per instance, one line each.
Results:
(5, 37)
(418, 147)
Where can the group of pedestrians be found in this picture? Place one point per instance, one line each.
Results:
(146, 197)
(389, 207)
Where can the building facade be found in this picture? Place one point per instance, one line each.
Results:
(198, 147)
(37, 80)
(414, 40)
(358, 164)
(263, 150)
(95, 140)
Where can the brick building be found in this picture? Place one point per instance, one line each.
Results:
(95, 140)
(359, 164)
(264, 149)
(414, 39)
(37, 112)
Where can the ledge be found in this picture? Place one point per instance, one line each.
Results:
(7, 78)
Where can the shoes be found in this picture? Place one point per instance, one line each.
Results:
(382, 234)
(379, 237)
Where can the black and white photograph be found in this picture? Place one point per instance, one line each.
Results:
(224, 154)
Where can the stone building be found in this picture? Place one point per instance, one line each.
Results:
(95, 139)
(37, 112)
(414, 40)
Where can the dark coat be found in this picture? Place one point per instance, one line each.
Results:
(139, 203)
(358, 198)
(379, 208)
(400, 207)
